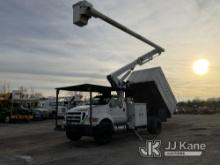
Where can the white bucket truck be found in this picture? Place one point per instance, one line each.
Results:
(144, 98)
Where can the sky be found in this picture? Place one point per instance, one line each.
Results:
(41, 49)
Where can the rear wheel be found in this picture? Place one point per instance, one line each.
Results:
(154, 125)
(162, 114)
(103, 132)
(73, 135)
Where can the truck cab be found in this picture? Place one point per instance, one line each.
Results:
(107, 111)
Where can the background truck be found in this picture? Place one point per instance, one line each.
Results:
(15, 114)
(143, 98)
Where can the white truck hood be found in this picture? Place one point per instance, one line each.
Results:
(81, 108)
(85, 108)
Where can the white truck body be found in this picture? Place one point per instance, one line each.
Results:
(134, 114)
(80, 115)
(137, 114)
(130, 114)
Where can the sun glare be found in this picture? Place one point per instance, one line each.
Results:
(200, 67)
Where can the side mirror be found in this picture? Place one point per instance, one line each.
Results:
(112, 103)
(120, 103)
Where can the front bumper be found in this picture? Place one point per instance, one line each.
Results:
(85, 130)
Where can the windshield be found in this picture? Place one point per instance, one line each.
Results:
(99, 100)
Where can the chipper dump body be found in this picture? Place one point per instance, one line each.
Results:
(151, 86)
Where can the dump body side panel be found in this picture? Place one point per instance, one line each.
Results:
(153, 83)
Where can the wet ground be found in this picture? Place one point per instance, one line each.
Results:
(38, 143)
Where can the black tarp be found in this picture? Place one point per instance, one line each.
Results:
(89, 87)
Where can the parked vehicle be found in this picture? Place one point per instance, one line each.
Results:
(40, 113)
(37, 114)
(15, 114)
(49, 107)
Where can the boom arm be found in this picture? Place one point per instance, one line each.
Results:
(83, 11)
(125, 71)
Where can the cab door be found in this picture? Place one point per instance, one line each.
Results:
(117, 110)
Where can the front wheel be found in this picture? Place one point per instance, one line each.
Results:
(103, 132)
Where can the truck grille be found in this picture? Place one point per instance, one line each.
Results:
(75, 117)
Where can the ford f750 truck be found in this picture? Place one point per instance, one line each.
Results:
(143, 98)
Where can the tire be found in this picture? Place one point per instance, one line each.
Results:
(7, 119)
(103, 132)
(154, 125)
(73, 135)
(162, 114)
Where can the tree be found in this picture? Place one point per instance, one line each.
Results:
(5, 87)
(24, 93)
(38, 95)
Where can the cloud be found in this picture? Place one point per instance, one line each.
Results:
(39, 43)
